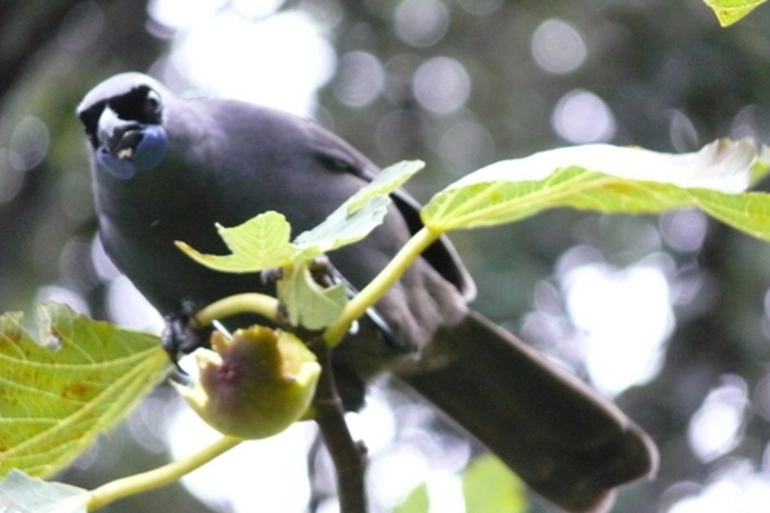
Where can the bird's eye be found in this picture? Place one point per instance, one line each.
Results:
(152, 102)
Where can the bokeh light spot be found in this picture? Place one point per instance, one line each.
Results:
(181, 14)
(625, 316)
(684, 136)
(360, 79)
(716, 427)
(421, 23)
(29, 141)
(101, 262)
(63, 295)
(255, 476)
(128, 307)
(684, 229)
(558, 47)
(740, 491)
(442, 85)
(244, 65)
(394, 475)
(582, 117)
(751, 121)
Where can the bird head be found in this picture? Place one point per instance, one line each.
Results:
(123, 119)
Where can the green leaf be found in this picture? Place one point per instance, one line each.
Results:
(748, 212)
(360, 214)
(343, 227)
(498, 194)
(307, 303)
(20, 493)
(384, 183)
(55, 397)
(731, 11)
(415, 502)
(259, 243)
(263, 242)
(490, 487)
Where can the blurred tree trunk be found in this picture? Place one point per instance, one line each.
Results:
(30, 31)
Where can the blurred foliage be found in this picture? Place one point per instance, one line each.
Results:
(488, 487)
(416, 502)
(669, 76)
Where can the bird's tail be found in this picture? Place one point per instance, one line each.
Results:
(565, 441)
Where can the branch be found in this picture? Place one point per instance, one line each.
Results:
(349, 456)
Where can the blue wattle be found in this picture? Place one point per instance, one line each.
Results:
(146, 155)
(151, 149)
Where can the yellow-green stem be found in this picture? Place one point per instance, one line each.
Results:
(357, 306)
(261, 304)
(158, 477)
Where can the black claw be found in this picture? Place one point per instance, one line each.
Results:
(182, 334)
(323, 272)
(271, 275)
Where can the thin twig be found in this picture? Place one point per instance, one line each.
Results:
(357, 306)
(157, 477)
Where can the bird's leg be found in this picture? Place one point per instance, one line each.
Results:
(182, 333)
(269, 278)
(271, 275)
(323, 272)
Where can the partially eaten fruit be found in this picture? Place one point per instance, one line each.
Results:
(255, 385)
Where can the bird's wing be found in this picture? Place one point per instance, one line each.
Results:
(337, 154)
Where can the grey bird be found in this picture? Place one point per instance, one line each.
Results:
(166, 168)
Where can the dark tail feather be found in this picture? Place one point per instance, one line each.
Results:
(568, 443)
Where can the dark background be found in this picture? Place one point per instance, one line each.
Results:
(671, 78)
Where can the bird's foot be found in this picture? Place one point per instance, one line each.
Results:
(323, 272)
(271, 275)
(182, 334)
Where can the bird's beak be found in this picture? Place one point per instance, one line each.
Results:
(117, 136)
(126, 146)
